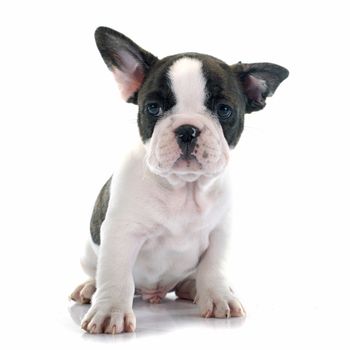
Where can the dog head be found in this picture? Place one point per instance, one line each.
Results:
(191, 106)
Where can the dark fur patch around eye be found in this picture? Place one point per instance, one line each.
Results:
(223, 87)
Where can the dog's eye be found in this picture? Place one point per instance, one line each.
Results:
(224, 111)
(154, 109)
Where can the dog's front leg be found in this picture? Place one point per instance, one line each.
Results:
(214, 296)
(111, 307)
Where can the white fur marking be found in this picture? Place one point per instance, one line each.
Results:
(188, 84)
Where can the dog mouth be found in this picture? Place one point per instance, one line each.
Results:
(187, 163)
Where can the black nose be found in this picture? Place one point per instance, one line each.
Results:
(186, 136)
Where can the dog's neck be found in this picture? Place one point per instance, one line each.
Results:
(198, 195)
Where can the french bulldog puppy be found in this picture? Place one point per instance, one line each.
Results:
(161, 224)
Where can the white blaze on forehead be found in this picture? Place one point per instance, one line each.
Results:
(188, 85)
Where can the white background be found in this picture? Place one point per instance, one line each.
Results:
(63, 127)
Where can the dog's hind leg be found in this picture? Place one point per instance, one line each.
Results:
(84, 292)
(186, 289)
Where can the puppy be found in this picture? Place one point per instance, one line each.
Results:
(161, 224)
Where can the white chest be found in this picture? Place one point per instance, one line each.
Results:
(183, 222)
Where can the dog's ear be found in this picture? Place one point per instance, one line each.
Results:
(128, 62)
(258, 81)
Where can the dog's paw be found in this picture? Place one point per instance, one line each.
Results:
(84, 292)
(107, 318)
(219, 304)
